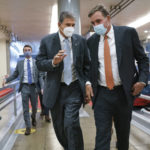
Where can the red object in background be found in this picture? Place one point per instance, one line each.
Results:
(5, 92)
(39, 105)
(141, 102)
(90, 103)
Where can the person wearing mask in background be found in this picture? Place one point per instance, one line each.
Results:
(114, 77)
(40, 87)
(65, 58)
(27, 71)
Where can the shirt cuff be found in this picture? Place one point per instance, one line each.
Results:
(88, 83)
(143, 83)
(54, 65)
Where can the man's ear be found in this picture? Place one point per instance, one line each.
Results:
(59, 24)
(108, 17)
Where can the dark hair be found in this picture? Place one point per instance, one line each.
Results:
(64, 15)
(100, 8)
(27, 46)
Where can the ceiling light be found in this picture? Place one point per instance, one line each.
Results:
(54, 19)
(146, 31)
(140, 22)
(148, 37)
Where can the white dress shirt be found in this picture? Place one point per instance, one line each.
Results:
(114, 63)
(25, 79)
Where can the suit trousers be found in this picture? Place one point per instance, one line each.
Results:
(44, 109)
(28, 92)
(65, 116)
(112, 104)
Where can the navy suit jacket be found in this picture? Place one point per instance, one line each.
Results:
(129, 50)
(19, 72)
(49, 47)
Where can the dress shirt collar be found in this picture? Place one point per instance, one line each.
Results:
(62, 37)
(110, 33)
(29, 59)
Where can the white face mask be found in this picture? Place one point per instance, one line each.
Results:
(68, 31)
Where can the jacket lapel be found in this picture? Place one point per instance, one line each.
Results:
(75, 45)
(118, 44)
(33, 62)
(56, 43)
(96, 45)
(22, 70)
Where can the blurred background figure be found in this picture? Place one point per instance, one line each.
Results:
(40, 87)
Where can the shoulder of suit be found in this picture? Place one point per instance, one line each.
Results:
(20, 61)
(33, 59)
(49, 36)
(93, 37)
(124, 27)
(78, 36)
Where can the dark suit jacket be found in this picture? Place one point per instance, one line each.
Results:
(50, 45)
(19, 71)
(128, 50)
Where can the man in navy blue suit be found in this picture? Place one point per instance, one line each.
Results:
(114, 77)
(65, 58)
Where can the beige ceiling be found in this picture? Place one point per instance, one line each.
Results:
(134, 11)
(30, 19)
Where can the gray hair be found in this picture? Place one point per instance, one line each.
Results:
(100, 8)
(64, 15)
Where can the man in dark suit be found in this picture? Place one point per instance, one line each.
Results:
(28, 74)
(65, 58)
(114, 77)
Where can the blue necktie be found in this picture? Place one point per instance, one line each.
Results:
(29, 72)
(67, 63)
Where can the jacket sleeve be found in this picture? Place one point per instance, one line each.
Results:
(43, 62)
(14, 75)
(86, 62)
(141, 58)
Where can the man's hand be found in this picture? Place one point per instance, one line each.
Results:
(4, 80)
(89, 93)
(59, 57)
(137, 88)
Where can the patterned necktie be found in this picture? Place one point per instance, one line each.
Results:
(67, 63)
(108, 66)
(29, 72)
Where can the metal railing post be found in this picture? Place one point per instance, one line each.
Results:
(15, 103)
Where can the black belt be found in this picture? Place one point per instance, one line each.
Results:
(114, 88)
(32, 84)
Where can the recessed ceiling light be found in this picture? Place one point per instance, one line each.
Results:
(140, 22)
(148, 37)
(146, 31)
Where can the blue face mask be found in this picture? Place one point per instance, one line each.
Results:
(27, 54)
(100, 29)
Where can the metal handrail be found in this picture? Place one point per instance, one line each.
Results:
(145, 97)
(13, 84)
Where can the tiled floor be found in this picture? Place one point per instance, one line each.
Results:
(45, 139)
(8, 116)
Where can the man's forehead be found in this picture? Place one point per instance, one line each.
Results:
(27, 48)
(69, 20)
(97, 14)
